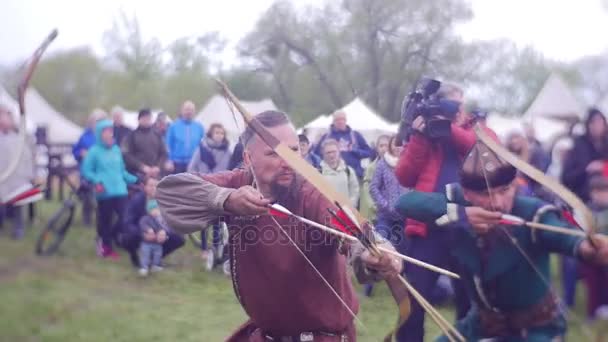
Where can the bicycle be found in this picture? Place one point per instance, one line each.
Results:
(53, 234)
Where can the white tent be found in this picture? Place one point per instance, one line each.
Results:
(40, 112)
(315, 128)
(359, 117)
(130, 118)
(216, 110)
(504, 125)
(553, 109)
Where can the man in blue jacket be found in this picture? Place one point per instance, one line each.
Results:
(104, 168)
(353, 147)
(183, 137)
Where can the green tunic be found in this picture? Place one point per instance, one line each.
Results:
(496, 274)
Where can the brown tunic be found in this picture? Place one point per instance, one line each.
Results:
(277, 288)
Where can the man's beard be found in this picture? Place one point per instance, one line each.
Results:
(284, 193)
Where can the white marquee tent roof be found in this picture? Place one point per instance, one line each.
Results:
(40, 112)
(504, 125)
(359, 117)
(130, 118)
(555, 100)
(552, 107)
(216, 110)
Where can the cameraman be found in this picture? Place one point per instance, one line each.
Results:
(428, 165)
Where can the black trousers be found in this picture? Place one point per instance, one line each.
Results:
(131, 236)
(107, 227)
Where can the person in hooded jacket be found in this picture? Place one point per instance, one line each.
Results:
(104, 167)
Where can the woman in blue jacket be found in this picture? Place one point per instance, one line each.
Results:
(104, 168)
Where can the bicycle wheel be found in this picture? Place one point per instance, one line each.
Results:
(56, 229)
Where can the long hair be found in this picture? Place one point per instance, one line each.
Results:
(215, 126)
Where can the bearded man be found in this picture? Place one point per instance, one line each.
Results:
(276, 263)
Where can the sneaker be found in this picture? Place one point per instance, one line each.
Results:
(113, 255)
(109, 253)
(210, 262)
(204, 254)
(143, 272)
(226, 268)
(156, 268)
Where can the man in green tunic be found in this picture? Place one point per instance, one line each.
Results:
(505, 266)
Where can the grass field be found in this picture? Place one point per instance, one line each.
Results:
(74, 296)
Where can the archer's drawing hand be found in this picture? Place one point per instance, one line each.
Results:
(246, 201)
(482, 220)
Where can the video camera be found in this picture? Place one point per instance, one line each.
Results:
(423, 101)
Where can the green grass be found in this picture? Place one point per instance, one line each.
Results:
(74, 296)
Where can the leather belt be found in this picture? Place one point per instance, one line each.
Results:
(502, 324)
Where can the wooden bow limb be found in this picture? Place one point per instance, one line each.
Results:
(518, 221)
(450, 332)
(9, 169)
(380, 248)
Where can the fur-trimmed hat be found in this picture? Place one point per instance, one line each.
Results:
(482, 168)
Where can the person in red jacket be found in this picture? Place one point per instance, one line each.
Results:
(427, 165)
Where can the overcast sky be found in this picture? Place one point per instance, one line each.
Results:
(561, 29)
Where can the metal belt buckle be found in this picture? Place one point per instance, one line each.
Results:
(307, 337)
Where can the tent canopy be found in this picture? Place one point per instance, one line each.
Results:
(553, 110)
(504, 125)
(41, 114)
(359, 117)
(555, 100)
(216, 110)
(130, 118)
(59, 128)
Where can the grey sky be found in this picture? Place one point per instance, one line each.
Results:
(561, 29)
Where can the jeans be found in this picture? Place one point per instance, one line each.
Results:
(130, 239)
(106, 208)
(150, 254)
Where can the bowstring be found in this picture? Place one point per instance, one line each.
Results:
(282, 230)
(564, 311)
